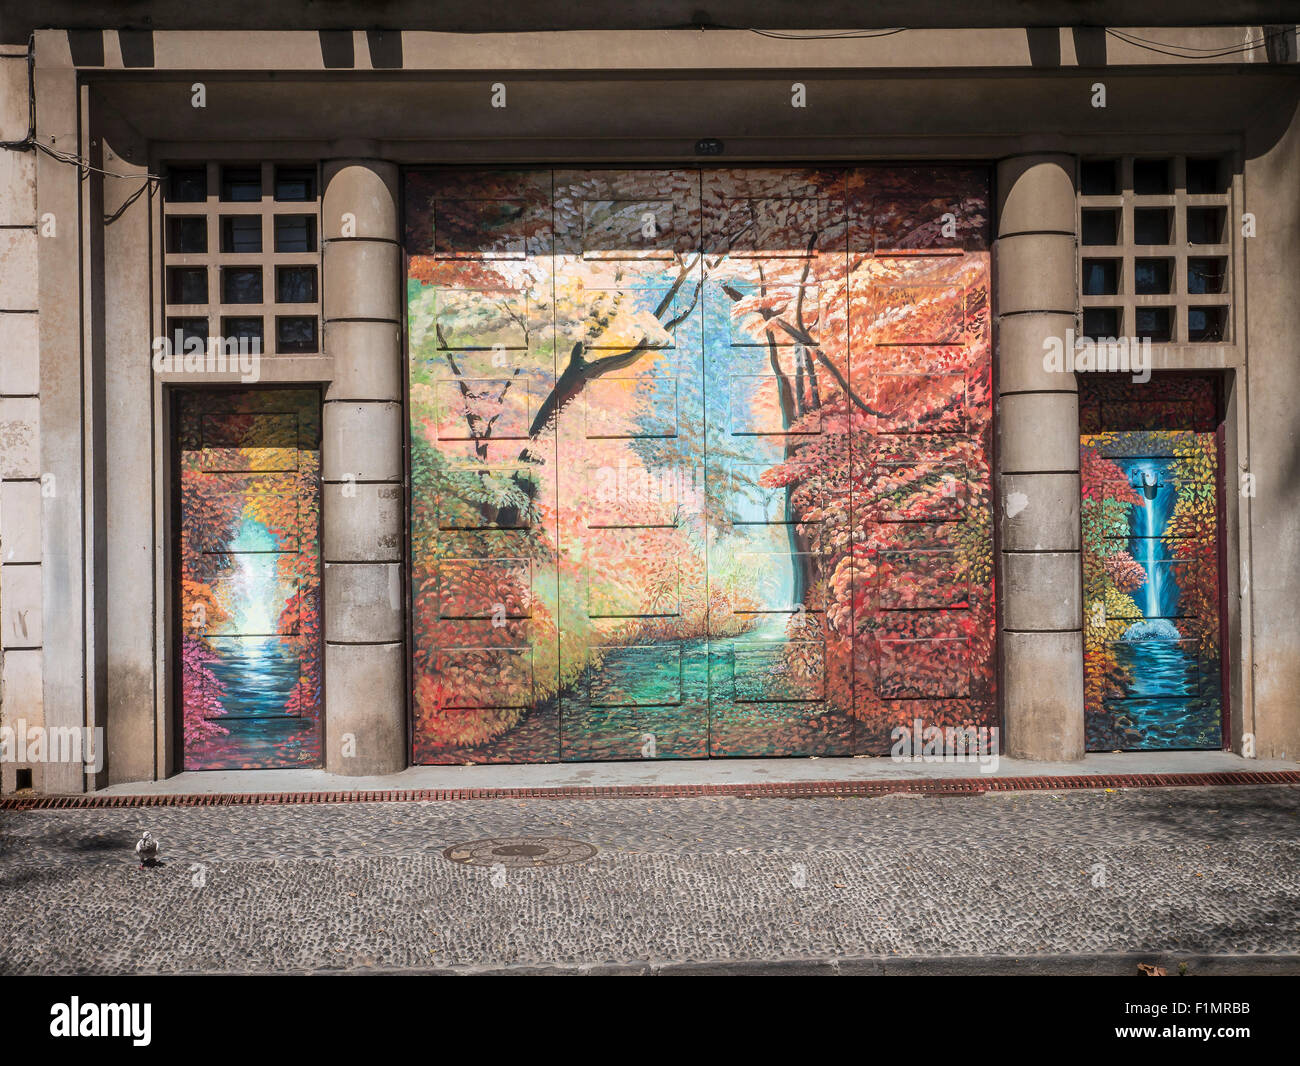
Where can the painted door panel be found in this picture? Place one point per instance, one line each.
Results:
(628, 274)
(249, 465)
(1152, 637)
(753, 516)
(921, 482)
(483, 394)
(774, 324)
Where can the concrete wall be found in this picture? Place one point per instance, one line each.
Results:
(22, 629)
(1269, 573)
(85, 565)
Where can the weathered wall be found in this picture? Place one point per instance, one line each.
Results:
(21, 601)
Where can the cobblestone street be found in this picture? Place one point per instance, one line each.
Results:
(841, 884)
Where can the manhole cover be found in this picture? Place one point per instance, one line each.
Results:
(516, 852)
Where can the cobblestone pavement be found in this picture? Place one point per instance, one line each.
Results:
(1195, 872)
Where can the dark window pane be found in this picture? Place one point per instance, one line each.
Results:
(241, 285)
(295, 334)
(1207, 275)
(180, 330)
(295, 233)
(295, 183)
(1101, 226)
(187, 235)
(1151, 225)
(1154, 322)
(241, 184)
(1151, 276)
(188, 185)
(295, 285)
(247, 330)
(241, 233)
(1100, 322)
(1206, 323)
(1204, 225)
(1098, 177)
(1100, 277)
(1205, 176)
(1151, 177)
(187, 285)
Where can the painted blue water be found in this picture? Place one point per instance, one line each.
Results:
(1169, 700)
(258, 675)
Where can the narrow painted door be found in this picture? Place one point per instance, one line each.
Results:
(1149, 466)
(250, 641)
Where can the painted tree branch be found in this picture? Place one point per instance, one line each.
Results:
(806, 339)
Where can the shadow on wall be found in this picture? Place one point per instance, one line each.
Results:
(338, 52)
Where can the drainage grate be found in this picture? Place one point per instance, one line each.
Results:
(791, 790)
(519, 853)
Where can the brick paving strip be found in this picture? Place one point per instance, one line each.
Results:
(1066, 881)
(791, 790)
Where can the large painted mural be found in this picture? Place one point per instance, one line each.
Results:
(1150, 511)
(700, 460)
(250, 578)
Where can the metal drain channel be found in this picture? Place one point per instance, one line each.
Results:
(791, 790)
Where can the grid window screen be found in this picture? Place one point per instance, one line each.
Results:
(1155, 248)
(242, 254)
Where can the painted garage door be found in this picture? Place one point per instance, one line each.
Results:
(1149, 457)
(699, 460)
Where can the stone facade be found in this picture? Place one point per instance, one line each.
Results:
(87, 580)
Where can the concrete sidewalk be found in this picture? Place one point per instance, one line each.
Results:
(1201, 879)
(687, 772)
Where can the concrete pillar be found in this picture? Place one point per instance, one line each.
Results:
(127, 700)
(1269, 568)
(1038, 462)
(364, 586)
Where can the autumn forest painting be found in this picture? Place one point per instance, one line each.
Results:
(251, 671)
(699, 460)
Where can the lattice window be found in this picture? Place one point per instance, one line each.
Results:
(241, 246)
(1155, 247)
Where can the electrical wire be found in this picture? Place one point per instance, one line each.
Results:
(845, 35)
(1133, 37)
(81, 163)
(30, 143)
(1139, 42)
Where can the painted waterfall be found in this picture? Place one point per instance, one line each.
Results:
(251, 671)
(1149, 470)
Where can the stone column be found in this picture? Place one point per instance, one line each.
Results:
(1038, 461)
(365, 659)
